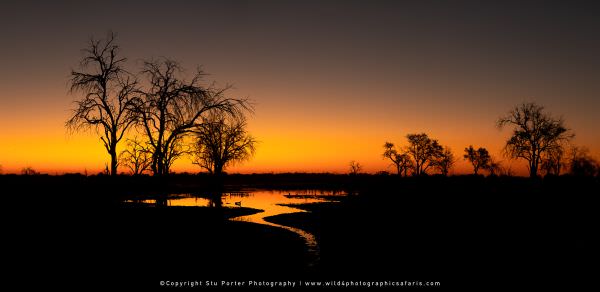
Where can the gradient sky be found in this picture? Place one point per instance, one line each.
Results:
(332, 80)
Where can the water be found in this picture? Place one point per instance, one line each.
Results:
(268, 200)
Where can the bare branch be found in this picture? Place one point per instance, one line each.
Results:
(172, 108)
(222, 141)
(535, 134)
(108, 94)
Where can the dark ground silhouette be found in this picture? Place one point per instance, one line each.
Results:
(463, 231)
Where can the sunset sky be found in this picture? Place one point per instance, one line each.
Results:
(331, 80)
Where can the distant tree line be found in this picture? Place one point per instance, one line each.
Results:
(538, 138)
(421, 155)
(170, 115)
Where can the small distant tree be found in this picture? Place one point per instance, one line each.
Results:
(222, 141)
(106, 170)
(424, 152)
(445, 161)
(401, 161)
(494, 167)
(136, 157)
(355, 167)
(535, 134)
(507, 171)
(382, 173)
(479, 158)
(582, 164)
(29, 171)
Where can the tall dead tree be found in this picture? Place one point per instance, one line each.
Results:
(108, 95)
(171, 108)
(535, 134)
(222, 141)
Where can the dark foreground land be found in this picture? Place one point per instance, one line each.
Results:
(465, 232)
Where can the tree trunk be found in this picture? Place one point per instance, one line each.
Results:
(113, 160)
(533, 171)
(158, 163)
(154, 165)
(113, 152)
(218, 181)
(533, 167)
(218, 170)
(113, 163)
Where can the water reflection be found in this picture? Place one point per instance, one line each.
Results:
(270, 201)
(181, 200)
(272, 204)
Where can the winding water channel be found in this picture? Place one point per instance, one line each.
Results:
(272, 202)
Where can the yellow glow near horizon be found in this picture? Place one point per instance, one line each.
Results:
(293, 138)
(302, 148)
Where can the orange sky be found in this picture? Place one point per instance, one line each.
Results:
(307, 137)
(331, 83)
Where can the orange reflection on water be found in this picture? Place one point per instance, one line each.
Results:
(269, 201)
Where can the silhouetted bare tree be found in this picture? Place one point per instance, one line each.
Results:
(535, 133)
(581, 163)
(171, 108)
(479, 158)
(355, 167)
(445, 161)
(507, 171)
(222, 141)
(29, 171)
(108, 95)
(553, 161)
(400, 160)
(494, 167)
(136, 157)
(424, 152)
